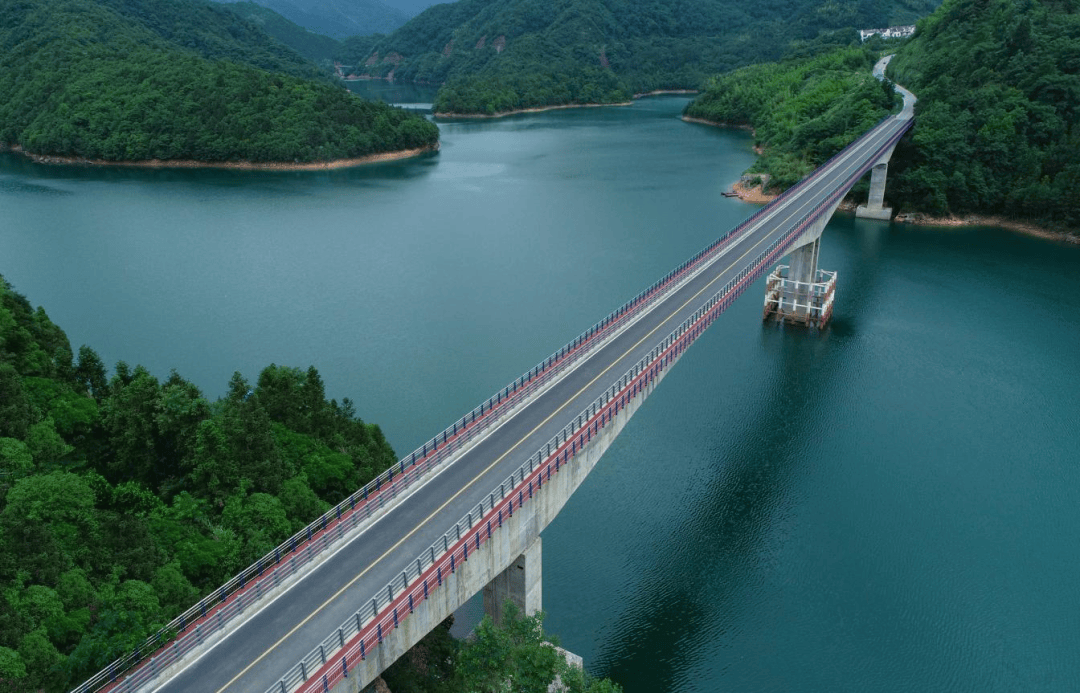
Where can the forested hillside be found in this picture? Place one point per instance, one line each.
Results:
(497, 55)
(315, 47)
(124, 499)
(339, 19)
(802, 110)
(998, 119)
(176, 79)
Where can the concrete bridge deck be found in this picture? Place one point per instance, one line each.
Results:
(279, 631)
(254, 657)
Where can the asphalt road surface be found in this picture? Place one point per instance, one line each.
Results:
(256, 655)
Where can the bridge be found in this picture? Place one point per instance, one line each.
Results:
(337, 603)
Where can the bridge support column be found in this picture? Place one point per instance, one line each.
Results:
(800, 293)
(521, 583)
(874, 209)
(804, 263)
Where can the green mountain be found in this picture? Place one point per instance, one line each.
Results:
(802, 110)
(500, 55)
(339, 18)
(997, 120)
(123, 499)
(315, 47)
(176, 79)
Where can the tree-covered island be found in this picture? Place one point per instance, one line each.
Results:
(178, 81)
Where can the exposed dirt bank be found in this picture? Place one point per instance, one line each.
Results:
(660, 92)
(1026, 228)
(245, 165)
(754, 194)
(713, 123)
(537, 109)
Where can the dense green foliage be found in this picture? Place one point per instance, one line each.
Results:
(802, 111)
(124, 499)
(176, 79)
(312, 46)
(997, 120)
(339, 18)
(506, 54)
(517, 657)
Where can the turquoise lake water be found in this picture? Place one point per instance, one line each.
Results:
(888, 505)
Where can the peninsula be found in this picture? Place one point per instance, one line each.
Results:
(180, 82)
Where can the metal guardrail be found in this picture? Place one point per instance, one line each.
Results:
(218, 609)
(328, 663)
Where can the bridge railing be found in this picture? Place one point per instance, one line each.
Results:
(328, 663)
(215, 611)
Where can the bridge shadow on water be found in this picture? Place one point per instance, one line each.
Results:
(725, 542)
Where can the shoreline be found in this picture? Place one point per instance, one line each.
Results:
(534, 109)
(1026, 228)
(662, 92)
(714, 124)
(753, 194)
(238, 165)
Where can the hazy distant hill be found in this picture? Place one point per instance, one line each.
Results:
(309, 44)
(497, 55)
(339, 18)
(176, 79)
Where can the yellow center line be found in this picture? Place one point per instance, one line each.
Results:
(497, 461)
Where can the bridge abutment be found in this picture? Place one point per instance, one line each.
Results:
(522, 583)
(874, 207)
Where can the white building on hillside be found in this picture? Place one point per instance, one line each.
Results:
(891, 32)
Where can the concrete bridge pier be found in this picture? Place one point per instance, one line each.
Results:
(874, 207)
(800, 293)
(522, 583)
(802, 272)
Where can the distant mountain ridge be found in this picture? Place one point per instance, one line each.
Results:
(499, 55)
(311, 45)
(339, 18)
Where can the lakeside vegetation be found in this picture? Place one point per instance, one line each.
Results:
(802, 111)
(125, 499)
(996, 131)
(519, 656)
(998, 83)
(514, 54)
(180, 80)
